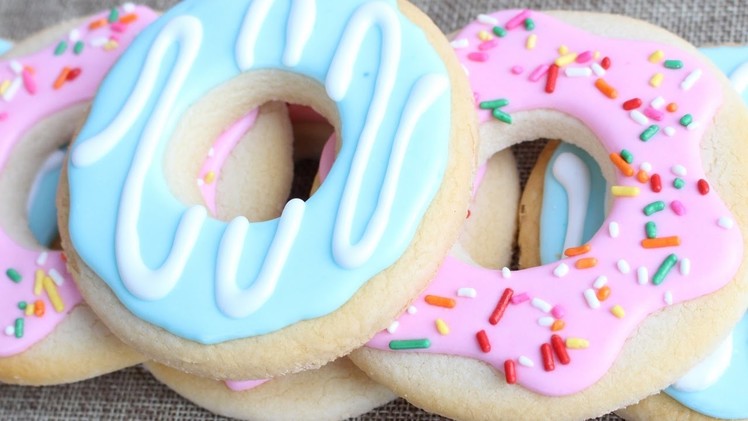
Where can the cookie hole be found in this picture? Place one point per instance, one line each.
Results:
(41, 209)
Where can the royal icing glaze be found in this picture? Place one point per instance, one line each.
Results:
(559, 327)
(395, 107)
(37, 291)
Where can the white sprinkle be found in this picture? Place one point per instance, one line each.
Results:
(725, 222)
(42, 259)
(128, 7)
(211, 152)
(412, 310)
(640, 118)
(670, 131)
(598, 69)
(685, 266)
(461, 43)
(623, 266)
(657, 103)
(16, 67)
(600, 282)
(525, 361)
(56, 277)
(467, 292)
(614, 230)
(668, 297)
(393, 327)
(646, 166)
(546, 321)
(693, 126)
(642, 275)
(679, 170)
(691, 80)
(591, 297)
(561, 270)
(98, 42)
(10, 330)
(488, 20)
(541, 305)
(578, 72)
(200, 182)
(13, 89)
(506, 273)
(74, 35)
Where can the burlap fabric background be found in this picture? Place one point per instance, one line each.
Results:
(133, 393)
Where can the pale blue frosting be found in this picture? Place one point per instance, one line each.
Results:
(311, 283)
(5, 45)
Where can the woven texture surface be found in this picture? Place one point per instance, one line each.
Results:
(133, 393)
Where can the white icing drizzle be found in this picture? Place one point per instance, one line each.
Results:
(300, 26)
(253, 20)
(52, 163)
(708, 371)
(235, 302)
(572, 173)
(739, 78)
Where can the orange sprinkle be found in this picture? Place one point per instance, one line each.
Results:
(97, 24)
(622, 165)
(576, 251)
(603, 293)
(606, 89)
(558, 325)
(438, 301)
(653, 243)
(586, 263)
(672, 107)
(132, 17)
(39, 308)
(62, 78)
(30, 69)
(642, 176)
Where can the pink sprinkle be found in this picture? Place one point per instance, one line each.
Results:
(558, 312)
(518, 20)
(487, 45)
(678, 207)
(517, 70)
(539, 72)
(28, 81)
(584, 57)
(114, 37)
(118, 27)
(520, 298)
(478, 56)
(654, 114)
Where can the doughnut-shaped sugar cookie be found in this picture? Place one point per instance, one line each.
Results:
(226, 299)
(48, 336)
(652, 113)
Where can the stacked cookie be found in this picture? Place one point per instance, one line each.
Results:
(177, 231)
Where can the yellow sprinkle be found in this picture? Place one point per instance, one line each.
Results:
(563, 50)
(29, 309)
(442, 327)
(210, 177)
(656, 80)
(38, 279)
(566, 59)
(485, 36)
(111, 45)
(624, 191)
(618, 311)
(54, 297)
(4, 87)
(577, 343)
(532, 40)
(657, 56)
(596, 55)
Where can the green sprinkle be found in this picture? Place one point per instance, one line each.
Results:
(627, 156)
(499, 31)
(19, 327)
(651, 229)
(673, 64)
(61, 47)
(78, 47)
(649, 133)
(410, 344)
(113, 15)
(502, 116)
(678, 183)
(529, 24)
(13, 275)
(22, 305)
(490, 105)
(664, 269)
(686, 120)
(654, 207)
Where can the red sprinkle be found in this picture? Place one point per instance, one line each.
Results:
(656, 183)
(632, 104)
(510, 371)
(477, 56)
(703, 186)
(501, 306)
(545, 351)
(550, 84)
(468, 214)
(73, 74)
(559, 347)
(485, 346)
(606, 63)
